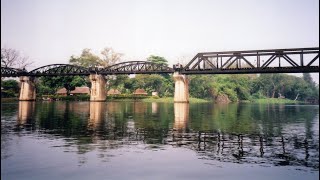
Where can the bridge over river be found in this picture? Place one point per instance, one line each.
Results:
(298, 60)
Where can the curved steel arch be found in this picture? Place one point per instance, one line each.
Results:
(136, 67)
(12, 72)
(60, 70)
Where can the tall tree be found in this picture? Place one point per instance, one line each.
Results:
(307, 77)
(158, 60)
(88, 59)
(9, 88)
(68, 82)
(109, 57)
(12, 58)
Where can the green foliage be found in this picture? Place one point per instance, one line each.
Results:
(88, 59)
(291, 87)
(157, 60)
(236, 87)
(49, 85)
(150, 83)
(274, 101)
(248, 87)
(200, 86)
(126, 96)
(118, 82)
(10, 88)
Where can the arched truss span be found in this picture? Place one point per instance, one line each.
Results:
(59, 70)
(136, 67)
(12, 72)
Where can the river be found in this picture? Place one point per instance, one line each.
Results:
(137, 140)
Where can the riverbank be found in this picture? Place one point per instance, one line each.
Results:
(170, 100)
(277, 101)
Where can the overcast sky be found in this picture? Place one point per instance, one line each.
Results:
(50, 31)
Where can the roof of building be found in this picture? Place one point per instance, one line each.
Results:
(113, 91)
(140, 91)
(78, 90)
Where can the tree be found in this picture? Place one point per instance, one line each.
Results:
(88, 59)
(158, 60)
(161, 61)
(118, 82)
(9, 88)
(12, 58)
(291, 87)
(68, 82)
(307, 77)
(109, 57)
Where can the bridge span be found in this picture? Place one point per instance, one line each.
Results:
(297, 60)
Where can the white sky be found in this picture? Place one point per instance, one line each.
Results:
(50, 31)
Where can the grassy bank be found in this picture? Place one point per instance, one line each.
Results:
(9, 99)
(275, 101)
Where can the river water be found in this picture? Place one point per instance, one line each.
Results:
(137, 140)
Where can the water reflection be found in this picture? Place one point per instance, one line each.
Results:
(181, 115)
(271, 135)
(97, 115)
(154, 107)
(26, 113)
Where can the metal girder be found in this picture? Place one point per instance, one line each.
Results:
(12, 72)
(254, 61)
(60, 70)
(136, 67)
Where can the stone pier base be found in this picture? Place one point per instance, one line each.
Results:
(181, 88)
(98, 84)
(27, 89)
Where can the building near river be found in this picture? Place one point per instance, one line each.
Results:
(113, 92)
(140, 92)
(77, 91)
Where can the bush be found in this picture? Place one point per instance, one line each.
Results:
(127, 96)
(258, 95)
(231, 94)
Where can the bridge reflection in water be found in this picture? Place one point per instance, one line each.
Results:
(259, 134)
(97, 115)
(181, 116)
(26, 112)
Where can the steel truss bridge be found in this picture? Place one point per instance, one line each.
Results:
(296, 60)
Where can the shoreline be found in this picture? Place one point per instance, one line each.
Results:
(191, 100)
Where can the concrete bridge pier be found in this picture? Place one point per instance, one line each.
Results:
(181, 88)
(27, 89)
(98, 84)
